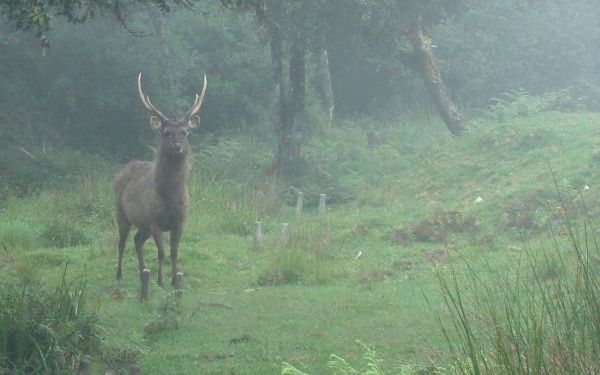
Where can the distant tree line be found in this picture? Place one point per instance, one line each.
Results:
(283, 69)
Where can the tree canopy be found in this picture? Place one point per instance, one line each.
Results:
(265, 62)
(38, 15)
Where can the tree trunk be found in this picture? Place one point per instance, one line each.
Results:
(433, 79)
(328, 100)
(297, 80)
(276, 46)
(290, 102)
(289, 135)
(273, 12)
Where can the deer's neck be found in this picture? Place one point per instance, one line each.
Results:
(171, 175)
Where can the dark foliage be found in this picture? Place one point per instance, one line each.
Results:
(45, 331)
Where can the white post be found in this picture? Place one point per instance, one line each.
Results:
(178, 280)
(322, 203)
(285, 234)
(299, 203)
(257, 235)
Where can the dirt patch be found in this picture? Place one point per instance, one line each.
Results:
(456, 222)
(401, 236)
(526, 214)
(118, 294)
(245, 338)
(161, 326)
(443, 224)
(429, 231)
(435, 256)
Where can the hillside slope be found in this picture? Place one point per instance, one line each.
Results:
(359, 272)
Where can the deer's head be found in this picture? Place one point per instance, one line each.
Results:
(174, 133)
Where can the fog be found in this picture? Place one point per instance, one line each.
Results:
(434, 130)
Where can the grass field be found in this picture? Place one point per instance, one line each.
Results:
(367, 270)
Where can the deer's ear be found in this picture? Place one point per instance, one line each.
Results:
(155, 123)
(193, 122)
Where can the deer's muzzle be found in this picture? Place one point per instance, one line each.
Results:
(177, 147)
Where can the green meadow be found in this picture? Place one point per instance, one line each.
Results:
(436, 255)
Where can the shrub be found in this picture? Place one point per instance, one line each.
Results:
(305, 260)
(229, 188)
(46, 331)
(288, 266)
(94, 200)
(519, 103)
(63, 234)
(27, 173)
(17, 234)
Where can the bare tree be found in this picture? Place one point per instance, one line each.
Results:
(430, 71)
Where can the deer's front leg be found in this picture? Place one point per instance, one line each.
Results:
(175, 238)
(140, 237)
(157, 235)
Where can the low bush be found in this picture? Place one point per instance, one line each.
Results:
(306, 259)
(45, 331)
(17, 235)
(26, 172)
(63, 234)
(288, 266)
(520, 103)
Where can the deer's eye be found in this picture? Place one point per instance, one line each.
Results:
(168, 133)
(184, 133)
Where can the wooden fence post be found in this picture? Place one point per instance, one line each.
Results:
(322, 203)
(257, 235)
(285, 234)
(178, 280)
(145, 290)
(299, 203)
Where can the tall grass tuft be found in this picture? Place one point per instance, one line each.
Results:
(17, 234)
(307, 259)
(46, 331)
(62, 234)
(229, 207)
(543, 317)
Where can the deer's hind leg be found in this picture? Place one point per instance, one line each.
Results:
(124, 228)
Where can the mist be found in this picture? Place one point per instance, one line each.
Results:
(358, 166)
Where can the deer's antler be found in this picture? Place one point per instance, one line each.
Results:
(146, 100)
(197, 102)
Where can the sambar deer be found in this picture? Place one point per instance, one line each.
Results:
(153, 196)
